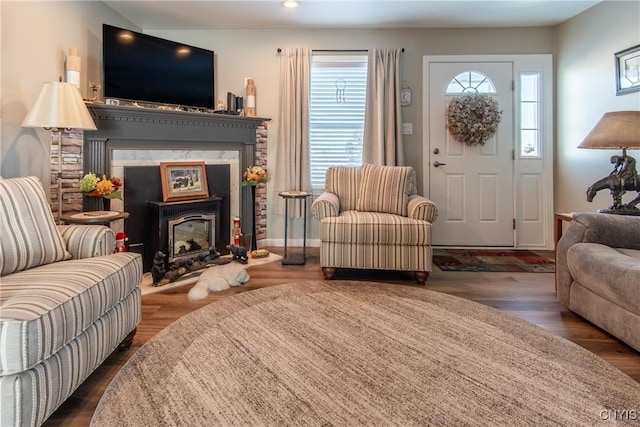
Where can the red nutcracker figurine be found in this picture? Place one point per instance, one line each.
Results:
(121, 238)
(236, 232)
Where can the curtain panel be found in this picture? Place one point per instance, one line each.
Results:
(292, 170)
(382, 142)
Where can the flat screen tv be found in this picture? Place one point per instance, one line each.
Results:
(140, 67)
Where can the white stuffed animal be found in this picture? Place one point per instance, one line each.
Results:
(218, 278)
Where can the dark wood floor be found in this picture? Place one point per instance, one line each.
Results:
(530, 296)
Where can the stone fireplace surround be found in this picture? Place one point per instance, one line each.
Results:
(144, 133)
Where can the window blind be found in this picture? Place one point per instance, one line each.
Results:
(336, 111)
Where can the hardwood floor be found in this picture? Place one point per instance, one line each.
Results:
(530, 296)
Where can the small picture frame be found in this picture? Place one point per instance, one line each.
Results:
(183, 181)
(628, 70)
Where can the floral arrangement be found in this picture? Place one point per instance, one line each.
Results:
(94, 186)
(474, 118)
(254, 175)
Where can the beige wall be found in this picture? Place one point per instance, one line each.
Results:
(36, 37)
(585, 91)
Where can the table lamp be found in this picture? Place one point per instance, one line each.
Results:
(59, 107)
(617, 130)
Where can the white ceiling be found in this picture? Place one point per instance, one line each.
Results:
(262, 14)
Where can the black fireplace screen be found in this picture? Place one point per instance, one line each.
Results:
(191, 235)
(189, 223)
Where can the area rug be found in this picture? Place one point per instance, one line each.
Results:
(494, 260)
(347, 353)
(146, 287)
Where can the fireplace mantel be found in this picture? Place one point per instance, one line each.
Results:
(135, 128)
(111, 119)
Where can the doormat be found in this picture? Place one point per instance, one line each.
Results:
(494, 260)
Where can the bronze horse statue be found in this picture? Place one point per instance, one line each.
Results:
(614, 184)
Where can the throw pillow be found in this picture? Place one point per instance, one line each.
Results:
(385, 189)
(29, 234)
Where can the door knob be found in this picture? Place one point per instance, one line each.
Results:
(437, 163)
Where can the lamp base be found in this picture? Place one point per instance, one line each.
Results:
(621, 211)
(624, 178)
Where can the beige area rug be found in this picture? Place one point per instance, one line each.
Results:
(146, 287)
(348, 353)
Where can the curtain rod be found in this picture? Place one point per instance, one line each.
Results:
(336, 50)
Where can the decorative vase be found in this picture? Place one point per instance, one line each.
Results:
(73, 67)
(254, 241)
(250, 105)
(106, 204)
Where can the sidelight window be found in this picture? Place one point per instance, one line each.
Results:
(530, 114)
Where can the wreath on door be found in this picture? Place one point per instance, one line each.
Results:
(473, 118)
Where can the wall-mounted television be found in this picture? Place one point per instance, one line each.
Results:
(140, 67)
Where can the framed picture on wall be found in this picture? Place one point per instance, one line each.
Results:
(628, 70)
(183, 181)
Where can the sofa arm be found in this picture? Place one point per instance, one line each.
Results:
(326, 205)
(420, 207)
(616, 231)
(85, 241)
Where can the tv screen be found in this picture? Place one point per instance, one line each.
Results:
(140, 67)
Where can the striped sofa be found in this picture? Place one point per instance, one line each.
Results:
(372, 218)
(66, 302)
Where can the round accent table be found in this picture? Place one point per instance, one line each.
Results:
(295, 258)
(94, 217)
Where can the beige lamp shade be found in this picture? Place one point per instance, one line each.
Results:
(60, 106)
(617, 129)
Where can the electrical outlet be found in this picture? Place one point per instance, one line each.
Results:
(407, 128)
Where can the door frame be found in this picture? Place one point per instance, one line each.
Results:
(533, 176)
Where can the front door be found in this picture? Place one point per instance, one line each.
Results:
(471, 185)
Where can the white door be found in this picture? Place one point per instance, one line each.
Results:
(471, 185)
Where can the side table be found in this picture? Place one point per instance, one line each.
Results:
(297, 258)
(94, 217)
(559, 217)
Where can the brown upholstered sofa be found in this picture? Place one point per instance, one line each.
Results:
(598, 272)
(371, 218)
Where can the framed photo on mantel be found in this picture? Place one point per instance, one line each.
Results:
(183, 181)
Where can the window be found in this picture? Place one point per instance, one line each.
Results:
(337, 98)
(470, 82)
(530, 114)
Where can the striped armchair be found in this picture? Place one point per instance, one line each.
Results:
(66, 302)
(371, 218)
